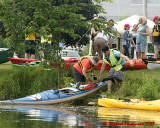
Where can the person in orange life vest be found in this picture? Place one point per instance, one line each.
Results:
(116, 60)
(82, 67)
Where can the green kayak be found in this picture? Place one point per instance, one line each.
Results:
(4, 54)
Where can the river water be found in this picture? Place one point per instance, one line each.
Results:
(75, 117)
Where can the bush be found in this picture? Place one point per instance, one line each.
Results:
(149, 88)
(25, 82)
(140, 87)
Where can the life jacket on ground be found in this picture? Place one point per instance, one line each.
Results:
(114, 62)
(80, 63)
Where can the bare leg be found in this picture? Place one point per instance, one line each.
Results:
(143, 55)
(139, 55)
(32, 56)
(156, 54)
(109, 86)
(117, 84)
(26, 55)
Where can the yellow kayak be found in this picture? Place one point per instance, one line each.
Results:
(130, 104)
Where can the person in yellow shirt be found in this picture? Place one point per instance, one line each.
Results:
(46, 43)
(30, 45)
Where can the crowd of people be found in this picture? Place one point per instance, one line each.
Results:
(136, 39)
(106, 47)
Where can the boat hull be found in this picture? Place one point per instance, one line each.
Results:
(4, 54)
(51, 97)
(133, 104)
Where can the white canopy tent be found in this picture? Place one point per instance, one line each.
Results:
(131, 21)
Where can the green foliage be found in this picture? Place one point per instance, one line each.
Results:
(140, 86)
(2, 43)
(149, 88)
(68, 80)
(62, 17)
(25, 82)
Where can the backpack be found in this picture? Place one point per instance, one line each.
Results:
(156, 30)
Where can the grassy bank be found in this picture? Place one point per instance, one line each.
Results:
(19, 83)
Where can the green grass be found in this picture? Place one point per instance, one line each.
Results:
(136, 83)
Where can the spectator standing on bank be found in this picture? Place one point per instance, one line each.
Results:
(113, 41)
(142, 33)
(30, 43)
(134, 36)
(100, 40)
(126, 39)
(155, 36)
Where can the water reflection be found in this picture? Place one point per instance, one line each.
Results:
(76, 117)
(128, 117)
(61, 116)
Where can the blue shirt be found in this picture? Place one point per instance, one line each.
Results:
(141, 38)
(126, 35)
(117, 56)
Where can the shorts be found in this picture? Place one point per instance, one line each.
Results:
(113, 46)
(30, 46)
(99, 43)
(77, 76)
(141, 47)
(156, 46)
(113, 74)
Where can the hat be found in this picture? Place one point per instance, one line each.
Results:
(127, 25)
(155, 18)
(94, 60)
(105, 48)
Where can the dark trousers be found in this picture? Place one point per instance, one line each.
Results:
(132, 52)
(126, 51)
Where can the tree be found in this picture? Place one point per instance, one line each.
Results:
(61, 18)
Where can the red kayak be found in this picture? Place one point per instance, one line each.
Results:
(21, 60)
(67, 65)
(138, 64)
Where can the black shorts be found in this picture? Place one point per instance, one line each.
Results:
(77, 76)
(113, 45)
(30, 46)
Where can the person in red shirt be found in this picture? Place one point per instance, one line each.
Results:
(82, 67)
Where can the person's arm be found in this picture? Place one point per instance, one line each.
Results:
(94, 32)
(126, 58)
(101, 71)
(135, 28)
(110, 43)
(147, 32)
(84, 71)
(151, 38)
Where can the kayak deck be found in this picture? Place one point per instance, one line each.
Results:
(132, 104)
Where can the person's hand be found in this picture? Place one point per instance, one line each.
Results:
(89, 81)
(131, 63)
